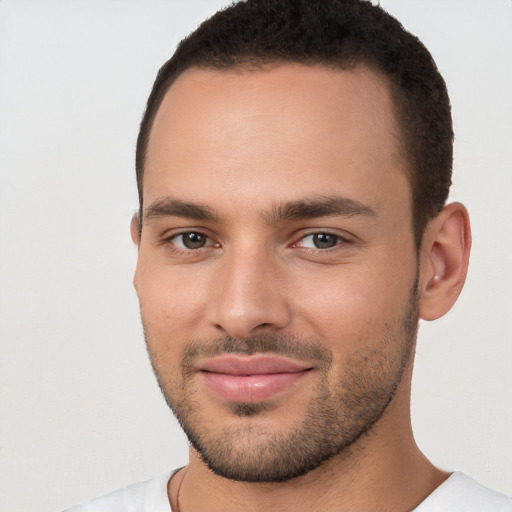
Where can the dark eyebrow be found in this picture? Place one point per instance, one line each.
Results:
(319, 207)
(168, 206)
(293, 210)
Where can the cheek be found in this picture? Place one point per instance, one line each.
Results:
(352, 306)
(171, 303)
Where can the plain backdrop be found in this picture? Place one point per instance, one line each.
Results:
(80, 411)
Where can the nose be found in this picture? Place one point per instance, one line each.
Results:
(250, 296)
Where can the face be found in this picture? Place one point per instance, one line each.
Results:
(277, 269)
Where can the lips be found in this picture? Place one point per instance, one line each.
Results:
(248, 379)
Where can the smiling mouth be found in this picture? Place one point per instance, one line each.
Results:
(251, 379)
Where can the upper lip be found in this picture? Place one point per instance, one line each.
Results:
(236, 364)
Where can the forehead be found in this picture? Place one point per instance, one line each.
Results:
(281, 133)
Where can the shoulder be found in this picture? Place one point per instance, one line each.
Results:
(463, 494)
(147, 496)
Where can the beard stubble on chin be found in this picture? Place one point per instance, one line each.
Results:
(336, 416)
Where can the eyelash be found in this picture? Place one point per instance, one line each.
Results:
(340, 240)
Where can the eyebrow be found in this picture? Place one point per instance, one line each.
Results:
(169, 207)
(319, 207)
(287, 211)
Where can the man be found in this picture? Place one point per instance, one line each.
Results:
(293, 165)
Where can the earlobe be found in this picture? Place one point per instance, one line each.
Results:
(444, 258)
(135, 229)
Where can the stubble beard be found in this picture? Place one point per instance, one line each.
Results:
(336, 417)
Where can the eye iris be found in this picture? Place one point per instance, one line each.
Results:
(324, 240)
(193, 240)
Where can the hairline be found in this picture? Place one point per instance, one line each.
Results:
(262, 64)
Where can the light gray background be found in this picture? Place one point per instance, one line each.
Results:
(80, 412)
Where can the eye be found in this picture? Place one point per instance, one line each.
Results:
(190, 240)
(319, 241)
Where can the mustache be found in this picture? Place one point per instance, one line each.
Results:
(302, 349)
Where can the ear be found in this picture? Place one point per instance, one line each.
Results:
(444, 258)
(135, 229)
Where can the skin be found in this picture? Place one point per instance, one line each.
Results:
(241, 143)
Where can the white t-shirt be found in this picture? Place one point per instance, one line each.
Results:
(458, 493)
(148, 496)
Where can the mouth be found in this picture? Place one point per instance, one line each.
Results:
(251, 379)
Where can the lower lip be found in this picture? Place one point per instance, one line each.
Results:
(250, 388)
